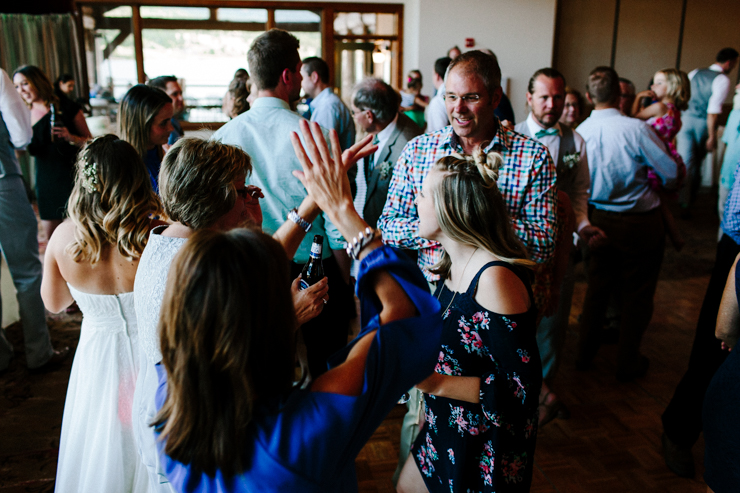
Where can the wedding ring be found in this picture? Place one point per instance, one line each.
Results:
(322, 299)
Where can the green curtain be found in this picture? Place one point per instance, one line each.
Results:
(50, 42)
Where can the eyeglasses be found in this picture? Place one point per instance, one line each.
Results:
(466, 99)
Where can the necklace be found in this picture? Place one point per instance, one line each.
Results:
(462, 274)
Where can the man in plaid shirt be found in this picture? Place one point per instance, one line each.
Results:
(526, 180)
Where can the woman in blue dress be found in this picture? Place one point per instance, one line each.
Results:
(229, 418)
(481, 403)
(144, 120)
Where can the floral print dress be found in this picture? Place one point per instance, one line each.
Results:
(667, 126)
(487, 446)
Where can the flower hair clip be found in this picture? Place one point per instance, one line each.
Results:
(90, 176)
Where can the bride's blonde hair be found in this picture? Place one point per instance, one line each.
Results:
(470, 209)
(111, 202)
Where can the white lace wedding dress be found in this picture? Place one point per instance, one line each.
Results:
(97, 451)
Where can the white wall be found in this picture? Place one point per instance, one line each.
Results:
(521, 33)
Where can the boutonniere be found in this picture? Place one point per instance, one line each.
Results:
(386, 169)
(570, 160)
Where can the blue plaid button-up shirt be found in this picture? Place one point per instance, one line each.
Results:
(731, 217)
(526, 181)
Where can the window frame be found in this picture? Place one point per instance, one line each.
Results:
(327, 9)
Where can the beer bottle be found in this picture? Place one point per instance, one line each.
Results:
(313, 271)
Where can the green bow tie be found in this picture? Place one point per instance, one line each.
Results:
(547, 131)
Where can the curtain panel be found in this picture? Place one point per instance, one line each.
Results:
(50, 42)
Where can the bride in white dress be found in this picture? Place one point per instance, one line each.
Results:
(92, 259)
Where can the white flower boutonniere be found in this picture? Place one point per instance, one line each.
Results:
(571, 160)
(386, 169)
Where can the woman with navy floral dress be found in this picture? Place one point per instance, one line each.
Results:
(481, 403)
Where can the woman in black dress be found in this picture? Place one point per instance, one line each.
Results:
(59, 130)
(481, 402)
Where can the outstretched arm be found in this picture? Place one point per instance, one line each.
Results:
(325, 177)
(290, 235)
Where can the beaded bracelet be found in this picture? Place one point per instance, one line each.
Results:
(359, 242)
(302, 223)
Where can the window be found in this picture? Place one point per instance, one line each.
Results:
(204, 45)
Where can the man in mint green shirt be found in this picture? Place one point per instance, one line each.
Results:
(263, 132)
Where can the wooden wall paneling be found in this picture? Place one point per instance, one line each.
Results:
(647, 39)
(584, 38)
(710, 26)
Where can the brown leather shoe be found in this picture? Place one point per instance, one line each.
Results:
(56, 360)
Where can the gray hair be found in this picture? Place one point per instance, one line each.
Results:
(378, 97)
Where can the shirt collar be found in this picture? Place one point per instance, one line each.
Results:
(500, 139)
(534, 125)
(388, 130)
(606, 113)
(270, 102)
(716, 68)
(322, 95)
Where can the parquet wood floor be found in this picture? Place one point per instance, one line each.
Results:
(611, 443)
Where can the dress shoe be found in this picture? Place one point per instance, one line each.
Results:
(56, 360)
(610, 335)
(679, 459)
(638, 370)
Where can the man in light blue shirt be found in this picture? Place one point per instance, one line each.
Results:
(263, 132)
(326, 108)
(620, 152)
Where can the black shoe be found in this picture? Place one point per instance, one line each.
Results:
(679, 459)
(639, 370)
(610, 335)
(56, 360)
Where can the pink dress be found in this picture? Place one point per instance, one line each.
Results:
(667, 126)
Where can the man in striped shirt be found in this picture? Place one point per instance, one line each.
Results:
(526, 180)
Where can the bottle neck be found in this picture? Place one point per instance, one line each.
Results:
(316, 251)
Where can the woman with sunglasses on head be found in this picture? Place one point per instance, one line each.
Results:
(202, 187)
(481, 403)
(240, 425)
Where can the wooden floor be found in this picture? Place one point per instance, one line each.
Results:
(610, 444)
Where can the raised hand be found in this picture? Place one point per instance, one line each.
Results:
(324, 173)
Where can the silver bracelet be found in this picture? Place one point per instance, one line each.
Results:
(302, 223)
(359, 242)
